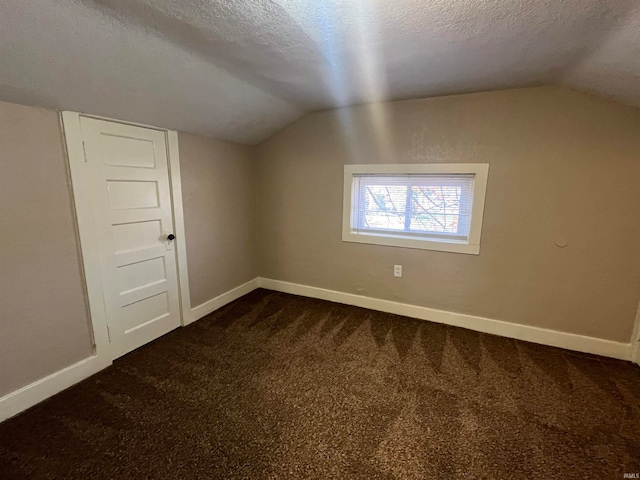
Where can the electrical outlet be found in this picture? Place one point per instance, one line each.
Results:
(397, 270)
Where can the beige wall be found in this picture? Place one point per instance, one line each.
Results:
(563, 165)
(219, 211)
(44, 319)
(44, 323)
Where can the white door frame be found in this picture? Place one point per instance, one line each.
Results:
(82, 199)
(635, 340)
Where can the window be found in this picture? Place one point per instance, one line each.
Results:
(429, 206)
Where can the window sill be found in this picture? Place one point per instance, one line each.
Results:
(450, 246)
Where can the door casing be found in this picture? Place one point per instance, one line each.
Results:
(88, 233)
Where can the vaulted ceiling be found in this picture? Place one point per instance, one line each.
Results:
(241, 70)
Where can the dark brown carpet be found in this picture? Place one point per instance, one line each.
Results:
(279, 386)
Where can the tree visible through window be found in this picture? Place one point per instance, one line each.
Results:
(423, 209)
(420, 204)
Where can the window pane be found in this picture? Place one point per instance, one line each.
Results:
(435, 208)
(422, 206)
(435, 223)
(384, 207)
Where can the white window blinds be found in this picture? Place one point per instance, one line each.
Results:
(430, 206)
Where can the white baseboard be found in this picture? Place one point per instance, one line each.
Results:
(30, 395)
(635, 340)
(34, 393)
(221, 300)
(26, 397)
(569, 341)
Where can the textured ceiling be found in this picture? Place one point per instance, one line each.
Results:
(241, 70)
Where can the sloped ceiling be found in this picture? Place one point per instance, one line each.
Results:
(241, 70)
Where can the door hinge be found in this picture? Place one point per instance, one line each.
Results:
(84, 150)
(108, 333)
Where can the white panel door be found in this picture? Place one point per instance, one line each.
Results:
(133, 218)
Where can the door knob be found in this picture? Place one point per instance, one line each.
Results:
(171, 236)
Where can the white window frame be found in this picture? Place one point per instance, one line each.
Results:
(480, 171)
